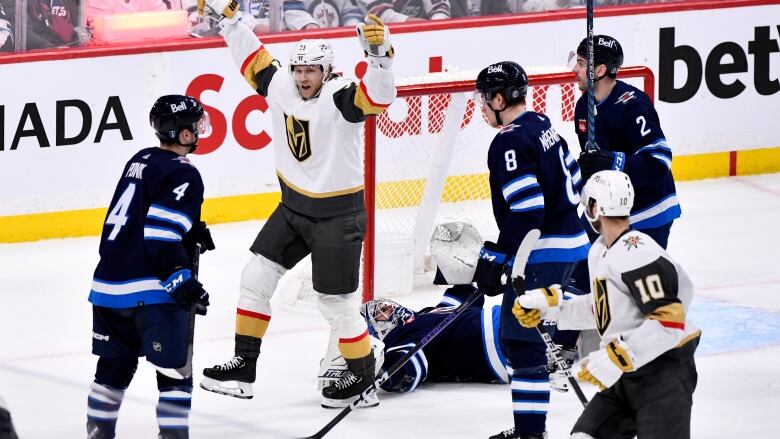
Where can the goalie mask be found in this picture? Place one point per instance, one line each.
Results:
(384, 315)
(455, 248)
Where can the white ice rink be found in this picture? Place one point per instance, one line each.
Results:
(727, 240)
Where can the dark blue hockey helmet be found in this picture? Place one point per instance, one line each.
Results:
(172, 113)
(505, 77)
(606, 50)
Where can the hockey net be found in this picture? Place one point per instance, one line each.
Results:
(426, 163)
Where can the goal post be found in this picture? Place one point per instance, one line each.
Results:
(426, 161)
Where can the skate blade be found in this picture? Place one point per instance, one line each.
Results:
(371, 401)
(238, 390)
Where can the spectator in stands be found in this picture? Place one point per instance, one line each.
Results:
(6, 32)
(295, 16)
(472, 8)
(50, 23)
(407, 10)
(110, 7)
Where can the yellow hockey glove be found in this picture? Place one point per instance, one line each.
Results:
(228, 10)
(374, 37)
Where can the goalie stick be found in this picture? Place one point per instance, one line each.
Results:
(518, 283)
(529, 241)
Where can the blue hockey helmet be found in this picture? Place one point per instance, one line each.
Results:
(172, 113)
(606, 50)
(505, 77)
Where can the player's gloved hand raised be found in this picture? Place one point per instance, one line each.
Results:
(592, 162)
(490, 268)
(186, 291)
(604, 367)
(532, 305)
(228, 10)
(374, 37)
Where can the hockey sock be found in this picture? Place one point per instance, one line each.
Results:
(355, 347)
(248, 347)
(173, 410)
(103, 405)
(250, 329)
(530, 400)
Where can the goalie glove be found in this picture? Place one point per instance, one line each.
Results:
(227, 10)
(531, 307)
(604, 367)
(374, 37)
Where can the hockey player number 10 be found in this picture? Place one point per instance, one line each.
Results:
(650, 288)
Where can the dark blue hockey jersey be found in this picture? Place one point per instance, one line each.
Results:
(627, 122)
(156, 203)
(533, 181)
(466, 351)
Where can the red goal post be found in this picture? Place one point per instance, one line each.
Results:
(385, 133)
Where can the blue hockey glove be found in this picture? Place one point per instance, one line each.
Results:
(490, 267)
(186, 291)
(592, 162)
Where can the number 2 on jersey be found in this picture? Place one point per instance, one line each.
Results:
(643, 124)
(118, 215)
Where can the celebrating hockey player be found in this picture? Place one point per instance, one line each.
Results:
(640, 295)
(317, 118)
(144, 290)
(532, 184)
(629, 136)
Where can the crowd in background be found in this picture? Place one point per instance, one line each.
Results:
(59, 23)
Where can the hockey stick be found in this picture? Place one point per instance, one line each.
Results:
(518, 283)
(522, 257)
(591, 145)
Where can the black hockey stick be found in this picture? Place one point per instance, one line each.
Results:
(518, 283)
(522, 257)
(591, 145)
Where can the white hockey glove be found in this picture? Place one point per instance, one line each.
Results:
(221, 10)
(531, 307)
(374, 37)
(604, 367)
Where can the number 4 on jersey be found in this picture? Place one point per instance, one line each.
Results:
(118, 215)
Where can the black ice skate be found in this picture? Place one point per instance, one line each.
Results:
(358, 378)
(233, 378)
(510, 434)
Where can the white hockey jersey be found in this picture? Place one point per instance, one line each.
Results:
(639, 294)
(317, 142)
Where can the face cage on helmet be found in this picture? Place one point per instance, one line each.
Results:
(384, 315)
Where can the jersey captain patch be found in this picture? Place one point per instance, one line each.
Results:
(298, 137)
(603, 316)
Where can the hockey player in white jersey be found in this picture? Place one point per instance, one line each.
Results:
(645, 367)
(317, 124)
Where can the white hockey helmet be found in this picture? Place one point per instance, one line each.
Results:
(612, 193)
(455, 248)
(384, 315)
(312, 53)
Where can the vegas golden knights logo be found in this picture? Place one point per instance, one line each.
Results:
(603, 318)
(298, 137)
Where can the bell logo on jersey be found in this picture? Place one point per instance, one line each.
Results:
(298, 137)
(603, 317)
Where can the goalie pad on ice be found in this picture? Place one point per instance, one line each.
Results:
(333, 368)
(455, 248)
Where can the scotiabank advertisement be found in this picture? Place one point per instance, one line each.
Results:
(69, 125)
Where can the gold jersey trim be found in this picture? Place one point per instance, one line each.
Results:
(318, 194)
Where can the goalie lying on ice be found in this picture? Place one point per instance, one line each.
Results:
(466, 351)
